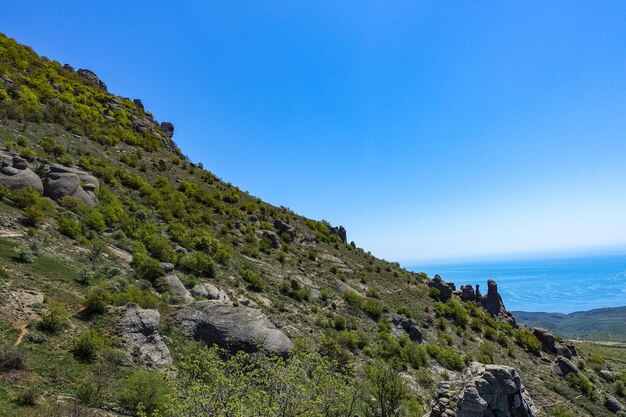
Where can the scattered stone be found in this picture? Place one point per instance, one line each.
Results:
(138, 328)
(180, 249)
(563, 367)
(208, 291)
(176, 287)
(35, 338)
(607, 375)
(283, 227)
(271, 236)
(563, 350)
(232, 327)
(406, 325)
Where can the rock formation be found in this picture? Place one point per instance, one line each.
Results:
(138, 328)
(493, 303)
(492, 390)
(445, 288)
(168, 129)
(549, 344)
(404, 325)
(19, 175)
(283, 227)
(232, 327)
(139, 104)
(467, 293)
(92, 78)
(175, 286)
(60, 181)
(563, 367)
(613, 404)
(341, 232)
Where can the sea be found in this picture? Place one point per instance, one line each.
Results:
(557, 285)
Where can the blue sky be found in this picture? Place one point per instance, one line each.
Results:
(431, 130)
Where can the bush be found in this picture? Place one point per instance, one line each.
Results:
(11, 358)
(255, 283)
(53, 317)
(96, 300)
(23, 254)
(198, 263)
(446, 357)
(94, 220)
(147, 268)
(69, 227)
(373, 308)
(87, 346)
(27, 397)
(143, 391)
(580, 382)
(526, 339)
(353, 299)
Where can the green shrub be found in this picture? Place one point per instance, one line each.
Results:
(27, 397)
(147, 268)
(94, 220)
(446, 357)
(560, 411)
(88, 344)
(526, 339)
(198, 263)
(11, 358)
(96, 300)
(69, 227)
(580, 382)
(353, 299)
(23, 254)
(255, 283)
(54, 317)
(372, 308)
(143, 390)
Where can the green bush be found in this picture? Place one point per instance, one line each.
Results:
(526, 339)
(198, 263)
(580, 382)
(69, 227)
(11, 358)
(372, 308)
(94, 220)
(446, 357)
(144, 390)
(353, 299)
(54, 317)
(96, 300)
(88, 344)
(255, 283)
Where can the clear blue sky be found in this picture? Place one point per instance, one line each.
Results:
(430, 130)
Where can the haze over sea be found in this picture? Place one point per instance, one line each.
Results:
(561, 285)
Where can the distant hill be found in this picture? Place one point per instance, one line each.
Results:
(599, 324)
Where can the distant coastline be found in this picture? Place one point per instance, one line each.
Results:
(548, 285)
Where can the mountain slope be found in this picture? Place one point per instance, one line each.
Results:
(604, 324)
(134, 253)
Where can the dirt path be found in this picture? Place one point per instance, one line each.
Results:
(23, 330)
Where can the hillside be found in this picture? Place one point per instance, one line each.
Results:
(123, 263)
(604, 324)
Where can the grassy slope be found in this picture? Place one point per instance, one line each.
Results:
(312, 263)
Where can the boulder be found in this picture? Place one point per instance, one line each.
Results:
(283, 227)
(138, 328)
(175, 286)
(92, 78)
(467, 293)
(271, 236)
(168, 129)
(607, 375)
(612, 403)
(445, 289)
(208, 291)
(68, 67)
(492, 302)
(494, 390)
(563, 367)
(139, 104)
(232, 327)
(60, 181)
(563, 350)
(548, 341)
(405, 325)
(19, 175)
(341, 232)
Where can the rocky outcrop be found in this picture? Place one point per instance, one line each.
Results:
(283, 227)
(92, 78)
(467, 293)
(548, 341)
(270, 236)
(404, 325)
(563, 367)
(341, 232)
(612, 404)
(607, 375)
(231, 327)
(168, 129)
(492, 390)
(176, 287)
(19, 175)
(446, 289)
(60, 181)
(139, 104)
(492, 302)
(564, 350)
(208, 291)
(138, 328)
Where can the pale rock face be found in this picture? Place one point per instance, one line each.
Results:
(19, 175)
(138, 328)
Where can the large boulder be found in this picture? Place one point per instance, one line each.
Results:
(232, 327)
(445, 288)
(168, 129)
(283, 227)
(138, 328)
(176, 287)
(402, 324)
(612, 403)
(548, 341)
(341, 232)
(563, 367)
(60, 181)
(486, 391)
(467, 293)
(19, 175)
(92, 78)
(208, 291)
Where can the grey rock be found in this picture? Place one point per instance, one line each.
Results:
(180, 249)
(341, 232)
(563, 350)
(612, 403)
(138, 104)
(92, 78)
(232, 327)
(271, 236)
(407, 325)
(283, 227)
(16, 178)
(139, 329)
(68, 67)
(563, 367)
(60, 181)
(548, 341)
(176, 287)
(208, 291)
(20, 163)
(607, 375)
(36, 338)
(168, 129)
(445, 289)
(467, 293)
